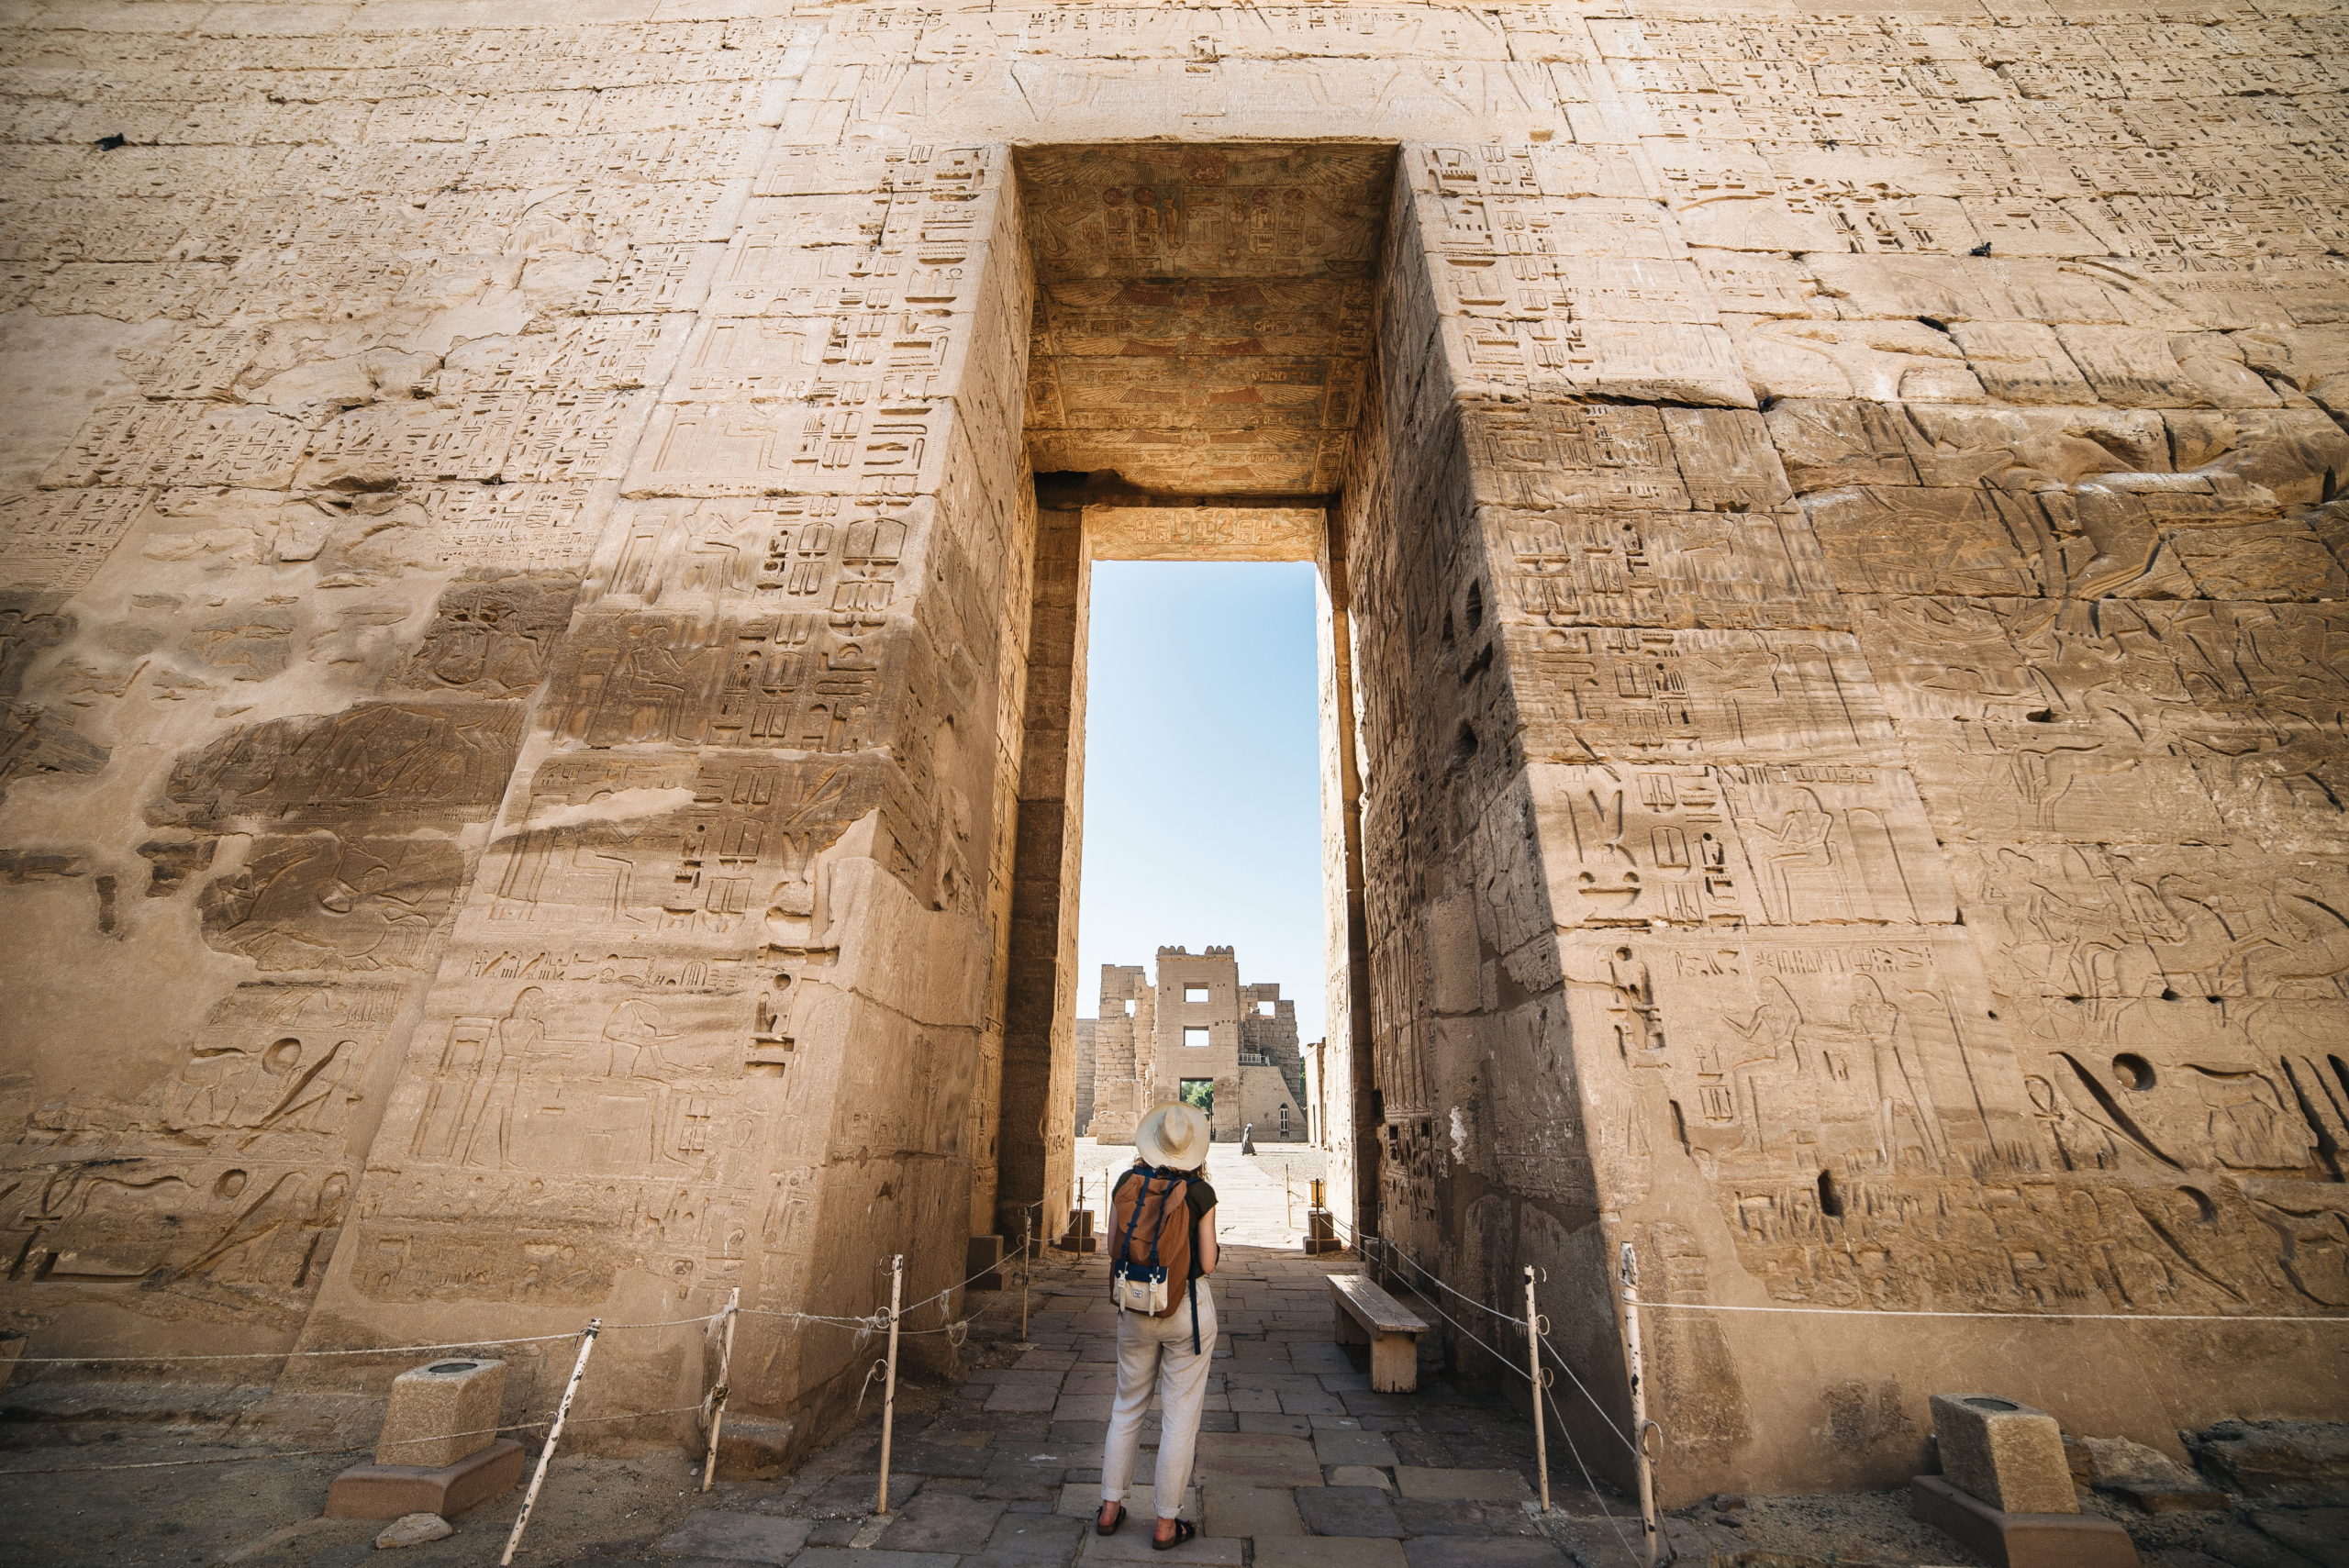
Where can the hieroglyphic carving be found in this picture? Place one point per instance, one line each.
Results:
(1268, 248)
(2047, 315)
(1787, 844)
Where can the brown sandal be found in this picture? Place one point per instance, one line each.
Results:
(1184, 1530)
(1114, 1526)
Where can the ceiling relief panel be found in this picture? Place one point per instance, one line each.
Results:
(1203, 313)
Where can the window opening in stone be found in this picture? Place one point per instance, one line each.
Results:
(1195, 1038)
(1195, 993)
(1199, 1094)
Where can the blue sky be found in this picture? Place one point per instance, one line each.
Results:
(1202, 773)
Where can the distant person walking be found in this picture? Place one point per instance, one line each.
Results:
(1162, 1245)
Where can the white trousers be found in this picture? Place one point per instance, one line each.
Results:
(1155, 1353)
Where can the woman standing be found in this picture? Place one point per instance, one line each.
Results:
(1162, 1241)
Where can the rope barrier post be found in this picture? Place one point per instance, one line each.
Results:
(889, 1389)
(554, 1435)
(1027, 1264)
(1650, 1538)
(1533, 1364)
(717, 1394)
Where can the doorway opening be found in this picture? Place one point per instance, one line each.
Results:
(1198, 361)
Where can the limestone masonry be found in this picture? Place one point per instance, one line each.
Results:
(1197, 1035)
(546, 550)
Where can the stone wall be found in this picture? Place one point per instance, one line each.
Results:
(521, 799)
(1142, 1057)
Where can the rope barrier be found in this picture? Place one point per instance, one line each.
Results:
(1590, 1482)
(354, 1448)
(363, 1350)
(2001, 1316)
(287, 1355)
(1396, 1249)
(1621, 1435)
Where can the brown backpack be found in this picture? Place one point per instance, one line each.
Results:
(1151, 1232)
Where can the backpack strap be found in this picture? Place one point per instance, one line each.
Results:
(1133, 1220)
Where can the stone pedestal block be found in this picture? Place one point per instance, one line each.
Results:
(2009, 1455)
(441, 1412)
(1321, 1234)
(983, 1261)
(2020, 1541)
(1079, 1237)
(390, 1491)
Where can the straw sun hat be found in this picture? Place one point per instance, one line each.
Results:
(1173, 1137)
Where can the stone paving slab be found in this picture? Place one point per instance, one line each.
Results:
(1018, 1397)
(1029, 1540)
(1468, 1485)
(1479, 1552)
(941, 1521)
(1132, 1544)
(941, 1459)
(1304, 1468)
(1082, 1500)
(1330, 1552)
(1260, 1457)
(1258, 1512)
(1348, 1510)
(737, 1538)
(1361, 1476)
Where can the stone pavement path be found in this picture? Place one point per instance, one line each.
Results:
(1260, 1198)
(1300, 1465)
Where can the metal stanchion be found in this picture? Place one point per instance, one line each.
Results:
(554, 1435)
(717, 1394)
(1539, 1373)
(1651, 1535)
(889, 1389)
(1027, 1264)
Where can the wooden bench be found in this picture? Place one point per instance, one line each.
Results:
(1368, 1316)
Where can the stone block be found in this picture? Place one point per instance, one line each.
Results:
(1466, 1485)
(941, 1521)
(1236, 1509)
(2147, 1477)
(1361, 1476)
(737, 1536)
(1082, 1500)
(752, 1448)
(413, 1530)
(847, 1557)
(1342, 1447)
(983, 1263)
(2020, 1541)
(1030, 1541)
(1348, 1511)
(1257, 1458)
(1482, 1551)
(2008, 1454)
(1131, 1544)
(388, 1491)
(2286, 1460)
(1329, 1551)
(441, 1412)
